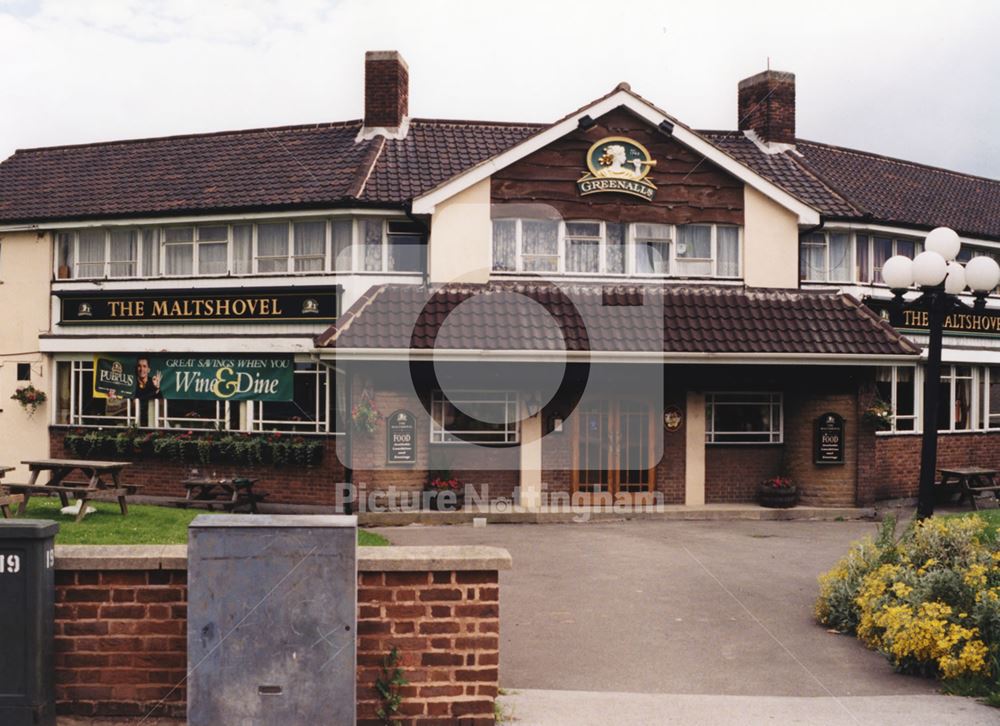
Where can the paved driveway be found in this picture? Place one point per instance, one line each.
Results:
(674, 607)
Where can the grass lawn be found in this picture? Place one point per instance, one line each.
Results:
(144, 524)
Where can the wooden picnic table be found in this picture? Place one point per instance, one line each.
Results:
(102, 479)
(228, 494)
(6, 500)
(970, 481)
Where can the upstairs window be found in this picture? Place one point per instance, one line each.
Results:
(315, 246)
(825, 257)
(584, 247)
(872, 250)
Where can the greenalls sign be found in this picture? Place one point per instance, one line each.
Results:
(618, 164)
(200, 378)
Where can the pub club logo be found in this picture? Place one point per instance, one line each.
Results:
(618, 164)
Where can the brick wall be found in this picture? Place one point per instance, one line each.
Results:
(733, 473)
(121, 641)
(287, 484)
(387, 88)
(897, 459)
(823, 485)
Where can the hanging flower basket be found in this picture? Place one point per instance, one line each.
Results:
(30, 398)
(778, 492)
(365, 417)
(879, 415)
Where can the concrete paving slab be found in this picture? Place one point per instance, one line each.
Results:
(577, 708)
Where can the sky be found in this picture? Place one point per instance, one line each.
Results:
(915, 79)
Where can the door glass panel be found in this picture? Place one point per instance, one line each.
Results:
(633, 447)
(594, 448)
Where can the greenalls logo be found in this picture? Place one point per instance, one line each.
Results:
(618, 164)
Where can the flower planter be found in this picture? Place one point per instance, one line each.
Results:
(775, 498)
(445, 500)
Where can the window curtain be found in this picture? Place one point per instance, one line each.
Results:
(840, 256)
(615, 248)
(242, 249)
(812, 257)
(728, 243)
(150, 252)
(310, 246)
(372, 232)
(179, 250)
(540, 245)
(883, 251)
(212, 258)
(652, 249)
(343, 231)
(91, 253)
(64, 243)
(583, 247)
(504, 245)
(694, 249)
(272, 247)
(124, 250)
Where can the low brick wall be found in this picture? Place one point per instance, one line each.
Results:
(287, 484)
(897, 459)
(121, 625)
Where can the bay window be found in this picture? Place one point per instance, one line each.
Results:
(584, 247)
(872, 250)
(825, 257)
(482, 417)
(743, 418)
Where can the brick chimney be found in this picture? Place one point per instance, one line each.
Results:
(767, 106)
(387, 89)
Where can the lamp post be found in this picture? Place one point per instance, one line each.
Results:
(941, 280)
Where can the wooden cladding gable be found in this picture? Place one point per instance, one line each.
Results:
(689, 188)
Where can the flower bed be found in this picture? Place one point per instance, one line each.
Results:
(209, 447)
(929, 601)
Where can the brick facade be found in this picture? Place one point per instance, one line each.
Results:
(897, 459)
(733, 473)
(289, 484)
(121, 642)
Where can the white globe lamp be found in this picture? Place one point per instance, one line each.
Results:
(929, 269)
(954, 283)
(982, 274)
(944, 241)
(897, 272)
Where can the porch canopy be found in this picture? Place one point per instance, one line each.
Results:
(528, 321)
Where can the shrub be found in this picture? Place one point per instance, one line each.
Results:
(929, 602)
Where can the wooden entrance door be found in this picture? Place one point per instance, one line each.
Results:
(613, 457)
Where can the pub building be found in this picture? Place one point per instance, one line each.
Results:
(610, 306)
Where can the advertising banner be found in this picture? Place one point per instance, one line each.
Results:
(195, 377)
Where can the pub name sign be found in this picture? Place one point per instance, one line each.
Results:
(618, 164)
(977, 323)
(201, 306)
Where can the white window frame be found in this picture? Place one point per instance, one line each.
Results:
(852, 256)
(325, 420)
(918, 392)
(918, 245)
(984, 412)
(510, 434)
(630, 254)
(75, 417)
(219, 423)
(949, 375)
(774, 399)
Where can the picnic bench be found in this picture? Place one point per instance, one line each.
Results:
(969, 482)
(96, 485)
(227, 494)
(6, 500)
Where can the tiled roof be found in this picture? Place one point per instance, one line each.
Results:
(847, 184)
(296, 166)
(613, 318)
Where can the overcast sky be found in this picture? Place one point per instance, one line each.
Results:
(913, 79)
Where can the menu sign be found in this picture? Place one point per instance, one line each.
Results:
(231, 305)
(401, 438)
(829, 439)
